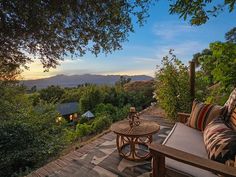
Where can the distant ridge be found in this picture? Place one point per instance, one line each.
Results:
(75, 80)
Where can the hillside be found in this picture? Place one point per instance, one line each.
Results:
(139, 85)
(75, 80)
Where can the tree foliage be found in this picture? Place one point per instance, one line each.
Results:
(50, 30)
(218, 69)
(29, 135)
(51, 94)
(123, 80)
(71, 95)
(101, 122)
(83, 129)
(140, 93)
(230, 36)
(172, 86)
(199, 11)
(90, 98)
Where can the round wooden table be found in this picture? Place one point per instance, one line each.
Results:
(132, 143)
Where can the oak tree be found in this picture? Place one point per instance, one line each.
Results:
(51, 29)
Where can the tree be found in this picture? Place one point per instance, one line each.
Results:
(123, 80)
(215, 77)
(9, 72)
(90, 98)
(49, 30)
(51, 94)
(172, 86)
(218, 65)
(29, 135)
(33, 89)
(71, 95)
(198, 55)
(199, 11)
(230, 36)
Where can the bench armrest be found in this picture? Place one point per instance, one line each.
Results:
(163, 151)
(183, 117)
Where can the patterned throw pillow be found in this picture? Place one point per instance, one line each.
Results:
(220, 141)
(230, 104)
(202, 114)
(232, 120)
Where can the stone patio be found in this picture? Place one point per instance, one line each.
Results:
(100, 158)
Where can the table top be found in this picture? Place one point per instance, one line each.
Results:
(146, 127)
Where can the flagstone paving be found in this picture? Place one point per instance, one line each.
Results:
(100, 158)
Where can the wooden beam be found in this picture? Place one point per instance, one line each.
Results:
(183, 117)
(190, 159)
(192, 79)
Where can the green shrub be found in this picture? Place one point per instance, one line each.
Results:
(121, 113)
(29, 135)
(105, 108)
(83, 120)
(101, 123)
(218, 67)
(172, 86)
(90, 98)
(83, 130)
(51, 94)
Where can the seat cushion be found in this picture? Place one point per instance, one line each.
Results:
(220, 141)
(188, 140)
(202, 114)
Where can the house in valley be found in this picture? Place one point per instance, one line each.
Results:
(69, 111)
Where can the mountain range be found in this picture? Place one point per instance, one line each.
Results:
(75, 80)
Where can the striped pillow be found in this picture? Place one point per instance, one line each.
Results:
(232, 119)
(202, 114)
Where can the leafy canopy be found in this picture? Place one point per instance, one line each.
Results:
(49, 30)
(230, 36)
(199, 11)
(51, 94)
(218, 68)
(29, 135)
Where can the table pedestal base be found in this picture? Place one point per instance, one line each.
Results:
(134, 148)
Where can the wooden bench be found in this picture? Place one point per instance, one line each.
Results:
(185, 160)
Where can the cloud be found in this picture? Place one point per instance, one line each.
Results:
(36, 71)
(183, 50)
(131, 72)
(143, 60)
(68, 61)
(171, 30)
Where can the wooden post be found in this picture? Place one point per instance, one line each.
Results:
(192, 79)
(158, 165)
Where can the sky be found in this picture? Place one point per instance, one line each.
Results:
(146, 47)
